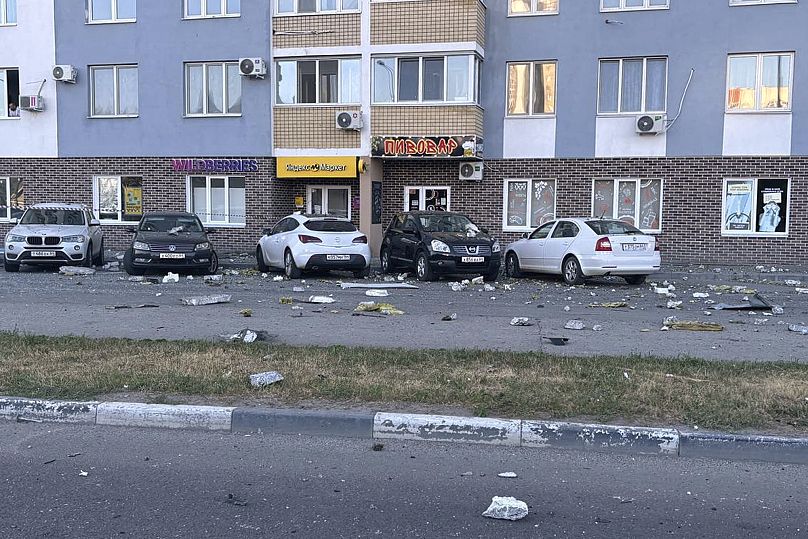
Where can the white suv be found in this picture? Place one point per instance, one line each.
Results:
(55, 234)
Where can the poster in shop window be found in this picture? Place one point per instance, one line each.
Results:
(650, 204)
(603, 203)
(517, 204)
(738, 206)
(772, 206)
(543, 202)
(627, 201)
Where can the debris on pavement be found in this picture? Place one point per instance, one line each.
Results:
(246, 313)
(457, 287)
(507, 475)
(196, 301)
(701, 295)
(264, 379)
(320, 299)
(286, 301)
(449, 317)
(82, 473)
(377, 293)
(691, 325)
(235, 501)
(298, 289)
(802, 290)
(278, 278)
(506, 508)
(212, 278)
(76, 271)
(798, 328)
(478, 280)
(597, 327)
(346, 286)
(171, 278)
(373, 307)
(489, 288)
(377, 446)
(674, 304)
(612, 305)
(520, 321)
(249, 336)
(575, 325)
(752, 303)
(557, 341)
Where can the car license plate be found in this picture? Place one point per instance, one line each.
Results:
(634, 247)
(43, 254)
(341, 258)
(473, 259)
(173, 256)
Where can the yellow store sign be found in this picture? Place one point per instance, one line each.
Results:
(316, 167)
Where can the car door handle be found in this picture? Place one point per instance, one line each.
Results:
(566, 243)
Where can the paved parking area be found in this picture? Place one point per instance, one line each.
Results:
(44, 302)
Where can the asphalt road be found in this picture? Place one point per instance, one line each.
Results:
(158, 483)
(43, 302)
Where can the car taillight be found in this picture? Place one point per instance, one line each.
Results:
(309, 239)
(361, 239)
(603, 246)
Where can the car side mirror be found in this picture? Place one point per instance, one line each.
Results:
(15, 221)
(95, 222)
(525, 235)
(131, 230)
(267, 232)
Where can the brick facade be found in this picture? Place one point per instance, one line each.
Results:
(313, 127)
(437, 120)
(427, 21)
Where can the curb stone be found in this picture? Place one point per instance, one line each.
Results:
(383, 425)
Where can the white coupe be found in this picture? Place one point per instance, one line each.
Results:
(313, 243)
(581, 248)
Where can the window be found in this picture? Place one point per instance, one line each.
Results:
(566, 229)
(636, 202)
(427, 199)
(312, 7)
(218, 199)
(528, 204)
(337, 80)
(755, 207)
(759, 82)
(9, 93)
(113, 91)
(759, 2)
(212, 89)
(331, 201)
(111, 11)
(201, 9)
(632, 85)
(531, 88)
(532, 7)
(438, 79)
(628, 5)
(118, 198)
(12, 198)
(8, 12)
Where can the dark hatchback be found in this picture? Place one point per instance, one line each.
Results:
(439, 243)
(170, 241)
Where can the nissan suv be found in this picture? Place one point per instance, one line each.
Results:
(55, 234)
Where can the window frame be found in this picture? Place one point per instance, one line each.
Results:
(637, 199)
(645, 7)
(6, 205)
(189, 199)
(422, 189)
(473, 80)
(529, 209)
(753, 223)
(318, 103)
(534, 12)
(532, 83)
(116, 89)
(225, 94)
(759, 57)
(326, 189)
(4, 115)
(645, 59)
(96, 211)
(204, 8)
(318, 11)
(113, 20)
(740, 3)
(4, 18)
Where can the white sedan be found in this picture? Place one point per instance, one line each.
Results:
(581, 248)
(303, 242)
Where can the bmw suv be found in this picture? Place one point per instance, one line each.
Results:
(55, 234)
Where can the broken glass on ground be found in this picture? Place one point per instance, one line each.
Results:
(612, 305)
(377, 293)
(449, 317)
(196, 301)
(320, 299)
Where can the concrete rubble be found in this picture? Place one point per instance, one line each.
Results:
(576, 325)
(506, 508)
(76, 271)
(520, 321)
(264, 379)
(171, 278)
(377, 293)
(196, 301)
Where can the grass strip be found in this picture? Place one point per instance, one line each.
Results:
(668, 391)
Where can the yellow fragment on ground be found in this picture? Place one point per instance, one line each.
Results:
(613, 305)
(694, 325)
(373, 307)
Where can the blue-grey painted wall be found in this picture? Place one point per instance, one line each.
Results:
(159, 42)
(692, 33)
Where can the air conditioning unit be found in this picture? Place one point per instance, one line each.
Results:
(65, 73)
(32, 103)
(471, 170)
(650, 124)
(252, 67)
(350, 120)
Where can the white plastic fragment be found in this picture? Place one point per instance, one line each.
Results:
(196, 301)
(520, 321)
(674, 304)
(575, 324)
(320, 299)
(489, 288)
(506, 508)
(507, 475)
(265, 378)
(278, 278)
(457, 287)
(377, 293)
(298, 289)
(213, 278)
(477, 280)
(701, 295)
(171, 278)
(597, 327)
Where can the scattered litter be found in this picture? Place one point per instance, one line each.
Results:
(507, 287)
(82, 473)
(566, 308)
(390, 286)
(235, 501)
(265, 378)
(701, 295)
(213, 278)
(478, 280)
(189, 278)
(489, 288)
(76, 271)
(507, 475)
(665, 290)
(298, 289)
(506, 508)
(457, 287)
(755, 302)
(469, 474)
(377, 293)
(373, 307)
(691, 325)
(249, 336)
(674, 304)
(777, 310)
(449, 317)
(378, 446)
(802, 290)
(597, 327)
(403, 276)
(278, 278)
(21, 419)
(519, 321)
(320, 299)
(575, 324)
(612, 305)
(798, 328)
(136, 279)
(246, 313)
(791, 282)
(117, 307)
(286, 301)
(557, 341)
(171, 278)
(623, 500)
(196, 301)
(626, 376)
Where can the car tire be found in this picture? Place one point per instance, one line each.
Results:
(635, 279)
(214, 264)
(99, 260)
(88, 257)
(386, 262)
(571, 271)
(129, 267)
(361, 274)
(259, 258)
(422, 268)
(10, 267)
(512, 266)
(289, 267)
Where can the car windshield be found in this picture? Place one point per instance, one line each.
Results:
(52, 216)
(171, 225)
(448, 223)
(330, 226)
(613, 228)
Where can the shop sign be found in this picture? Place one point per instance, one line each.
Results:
(214, 165)
(317, 167)
(427, 147)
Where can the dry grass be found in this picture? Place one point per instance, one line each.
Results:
(769, 396)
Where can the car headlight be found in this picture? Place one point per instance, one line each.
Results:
(140, 246)
(440, 247)
(15, 238)
(496, 247)
(73, 239)
(202, 246)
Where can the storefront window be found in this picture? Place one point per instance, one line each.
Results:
(331, 201)
(756, 207)
(218, 199)
(118, 198)
(636, 202)
(12, 199)
(528, 204)
(427, 199)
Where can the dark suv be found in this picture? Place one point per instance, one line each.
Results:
(170, 241)
(439, 243)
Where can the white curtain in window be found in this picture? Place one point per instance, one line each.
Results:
(238, 203)
(215, 89)
(457, 85)
(196, 90)
(350, 81)
(11, 11)
(655, 83)
(609, 86)
(218, 196)
(233, 89)
(742, 77)
(4, 97)
(632, 86)
(128, 90)
(199, 198)
(103, 91)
